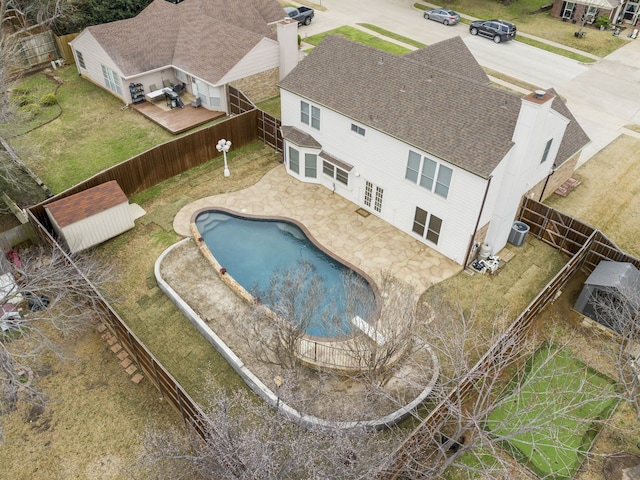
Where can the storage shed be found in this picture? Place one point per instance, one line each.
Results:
(91, 217)
(609, 283)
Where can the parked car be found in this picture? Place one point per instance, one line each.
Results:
(442, 15)
(498, 30)
(302, 14)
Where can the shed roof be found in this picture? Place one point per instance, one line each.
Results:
(87, 203)
(204, 37)
(614, 274)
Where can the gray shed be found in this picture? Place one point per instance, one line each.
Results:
(610, 281)
(92, 216)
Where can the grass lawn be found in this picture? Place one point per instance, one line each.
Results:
(359, 36)
(557, 385)
(90, 135)
(540, 24)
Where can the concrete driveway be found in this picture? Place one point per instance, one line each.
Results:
(602, 96)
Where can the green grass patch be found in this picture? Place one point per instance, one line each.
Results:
(271, 106)
(560, 390)
(92, 133)
(395, 36)
(528, 17)
(358, 36)
(553, 49)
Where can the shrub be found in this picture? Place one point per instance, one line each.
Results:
(602, 21)
(23, 100)
(49, 99)
(31, 109)
(19, 91)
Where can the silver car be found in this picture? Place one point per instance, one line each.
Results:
(442, 15)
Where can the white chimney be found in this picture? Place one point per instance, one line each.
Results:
(287, 31)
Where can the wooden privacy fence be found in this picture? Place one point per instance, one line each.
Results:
(407, 457)
(268, 126)
(569, 235)
(168, 386)
(38, 49)
(586, 247)
(66, 52)
(167, 160)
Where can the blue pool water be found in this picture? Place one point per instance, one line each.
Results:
(253, 249)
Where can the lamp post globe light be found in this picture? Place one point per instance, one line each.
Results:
(224, 146)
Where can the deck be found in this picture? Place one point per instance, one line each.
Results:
(176, 120)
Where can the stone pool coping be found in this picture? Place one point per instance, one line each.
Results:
(266, 393)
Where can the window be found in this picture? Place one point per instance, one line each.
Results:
(80, 60)
(424, 169)
(310, 115)
(357, 129)
(111, 80)
(294, 160)
(310, 165)
(428, 173)
(546, 150)
(413, 167)
(373, 196)
(433, 233)
(422, 222)
(315, 117)
(444, 179)
(333, 171)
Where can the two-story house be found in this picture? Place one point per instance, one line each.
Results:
(424, 141)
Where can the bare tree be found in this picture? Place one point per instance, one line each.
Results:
(464, 436)
(248, 440)
(42, 295)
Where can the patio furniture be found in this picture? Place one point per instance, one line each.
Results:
(155, 94)
(152, 87)
(196, 102)
(167, 83)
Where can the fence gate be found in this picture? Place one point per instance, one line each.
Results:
(38, 49)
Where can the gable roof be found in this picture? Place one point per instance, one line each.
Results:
(464, 122)
(452, 56)
(575, 138)
(191, 35)
(87, 203)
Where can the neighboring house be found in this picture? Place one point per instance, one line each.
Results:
(91, 217)
(618, 11)
(424, 142)
(205, 44)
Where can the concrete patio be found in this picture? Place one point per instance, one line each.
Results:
(366, 242)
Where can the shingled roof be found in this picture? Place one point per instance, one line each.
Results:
(575, 138)
(203, 37)
(87, 203)
(460, 120)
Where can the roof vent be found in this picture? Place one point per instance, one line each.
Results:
(540, 94)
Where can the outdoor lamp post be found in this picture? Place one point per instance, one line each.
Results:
(224, 146)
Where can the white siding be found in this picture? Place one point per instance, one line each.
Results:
(264, 56)
(382, 160)
(94, 57)
(98, 228)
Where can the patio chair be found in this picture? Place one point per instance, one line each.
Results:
(167, 83)
(152, 87)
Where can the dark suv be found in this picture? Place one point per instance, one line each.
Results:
(498, 30)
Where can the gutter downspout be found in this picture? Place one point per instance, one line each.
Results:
(475, 230)
(544, 187)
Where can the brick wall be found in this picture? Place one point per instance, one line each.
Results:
(260, 86)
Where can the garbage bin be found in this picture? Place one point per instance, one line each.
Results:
(518, 233)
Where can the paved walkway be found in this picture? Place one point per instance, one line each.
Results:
(368, 243)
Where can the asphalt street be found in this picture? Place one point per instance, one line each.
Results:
(602, 96)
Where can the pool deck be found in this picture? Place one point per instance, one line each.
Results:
(369, 243)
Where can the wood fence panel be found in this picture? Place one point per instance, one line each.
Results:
(64, 49)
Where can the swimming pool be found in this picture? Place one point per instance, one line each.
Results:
(257, 252)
